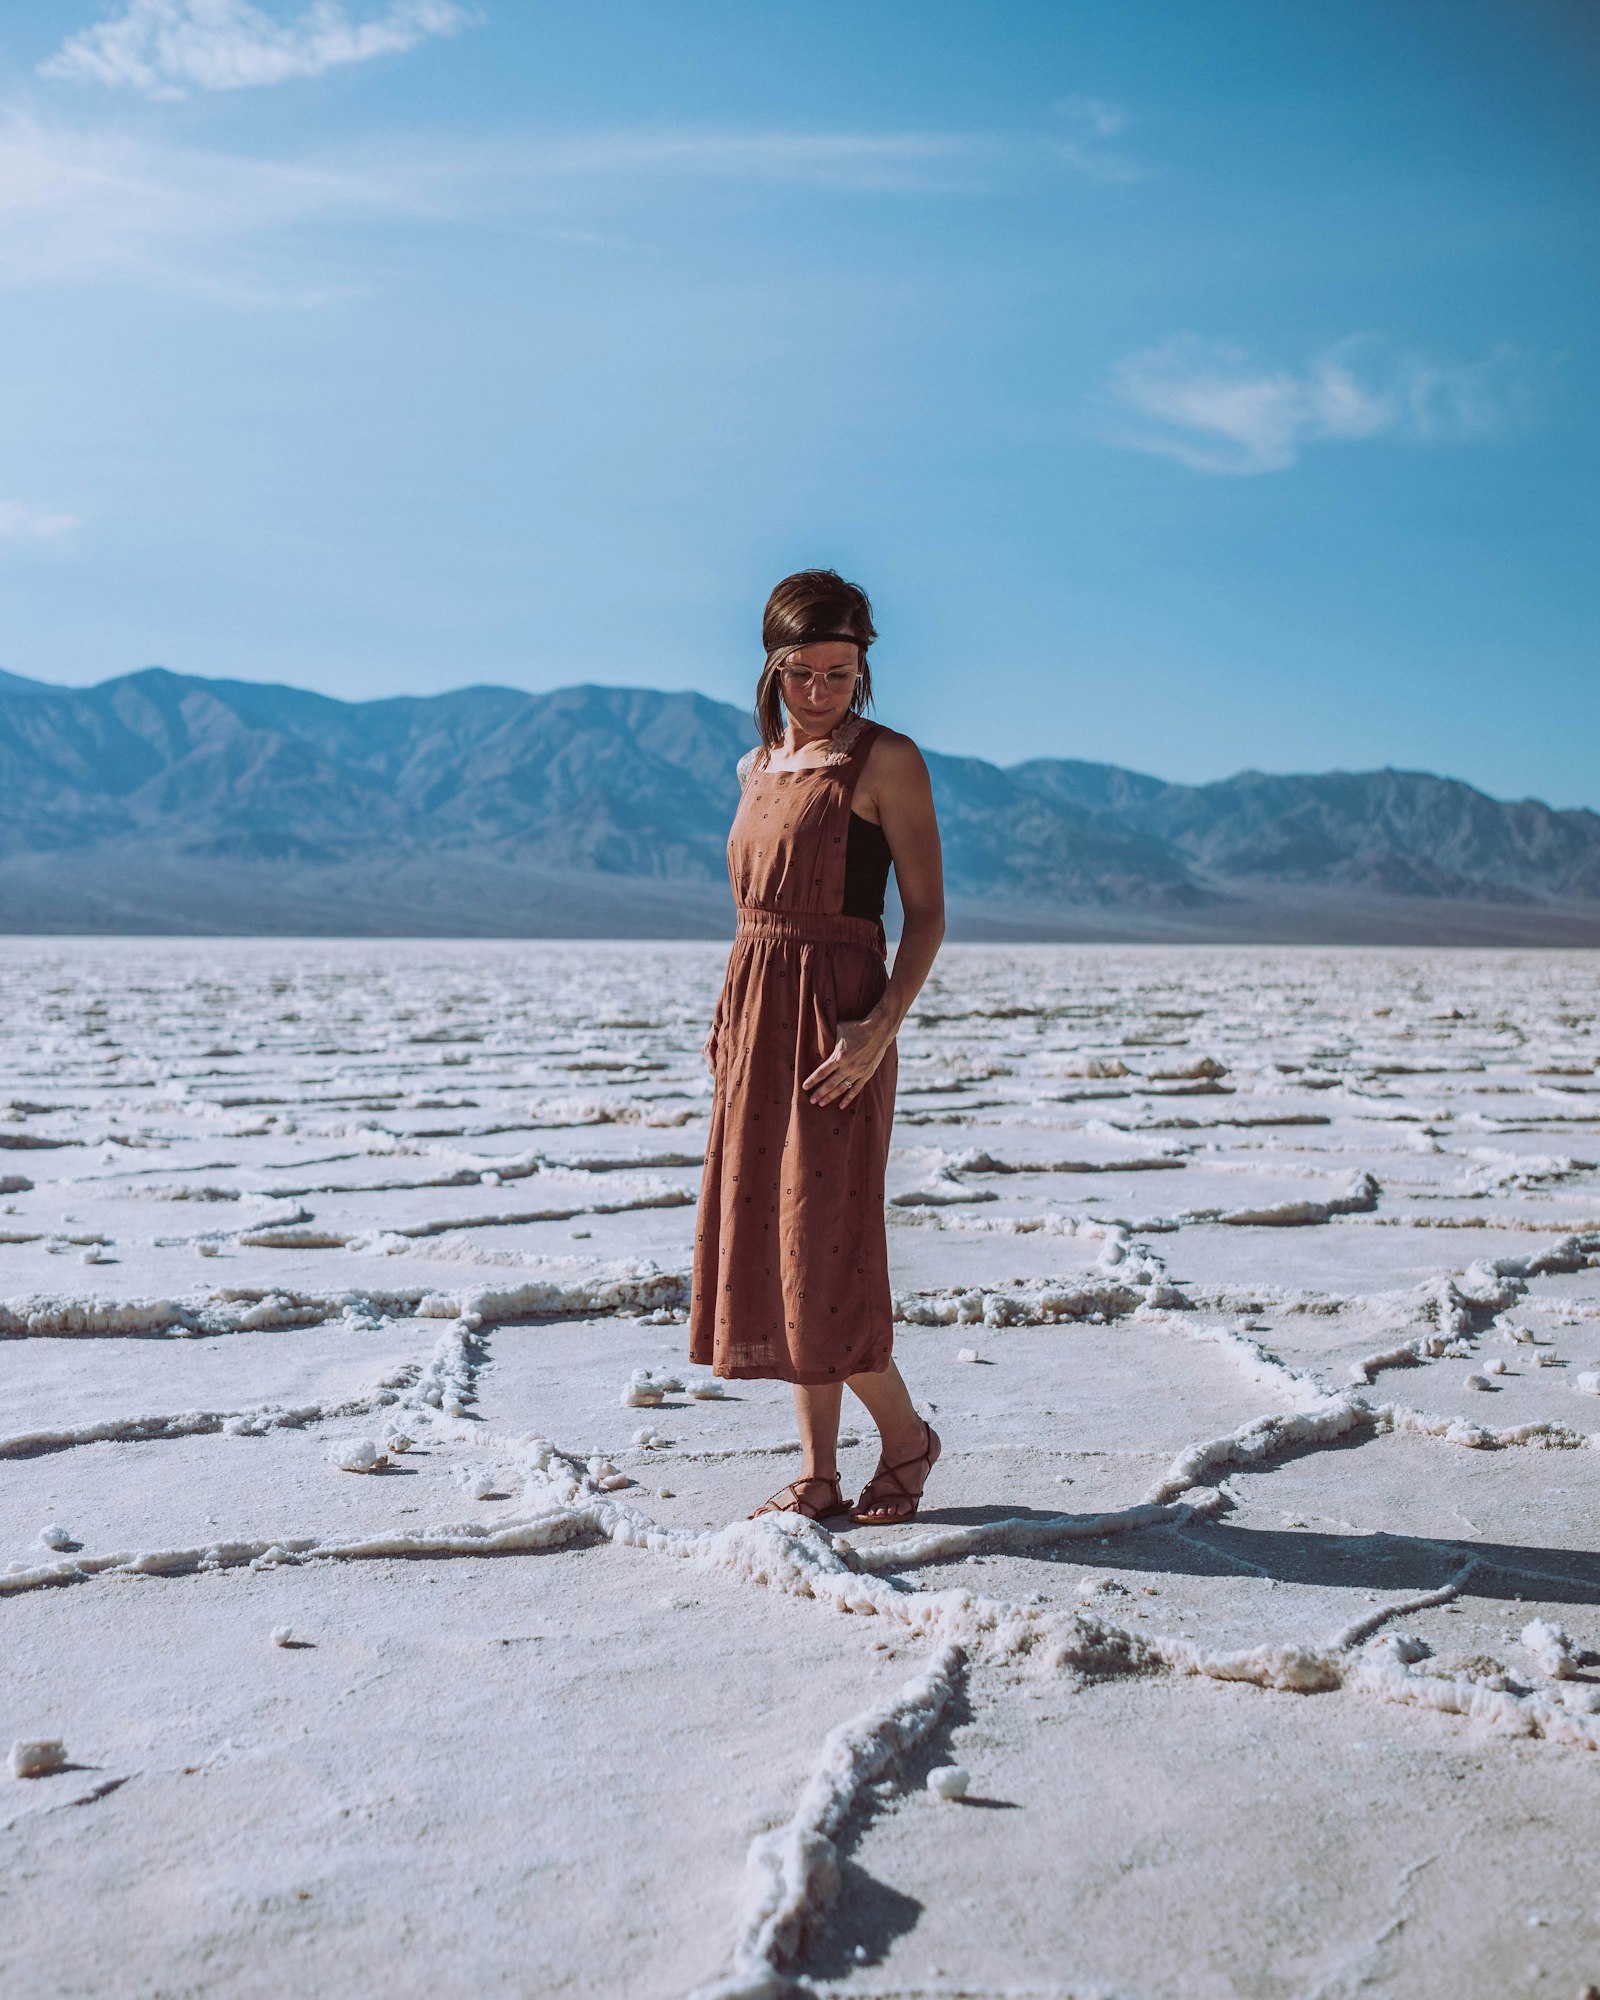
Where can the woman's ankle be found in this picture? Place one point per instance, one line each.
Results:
(898, 1445)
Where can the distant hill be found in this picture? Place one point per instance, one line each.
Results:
(159, 802)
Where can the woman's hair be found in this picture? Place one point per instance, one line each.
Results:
(805, 609)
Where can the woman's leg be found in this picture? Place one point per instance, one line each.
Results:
(816, 1492)
(910, 1447)
(816, 1408)
(890, 1407)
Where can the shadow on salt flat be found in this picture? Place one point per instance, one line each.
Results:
(1362, 1562)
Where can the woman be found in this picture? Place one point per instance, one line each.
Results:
(791, 1265)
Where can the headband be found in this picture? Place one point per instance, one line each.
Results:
(820, 639)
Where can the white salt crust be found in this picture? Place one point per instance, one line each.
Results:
(568, 1497)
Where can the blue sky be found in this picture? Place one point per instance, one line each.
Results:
(1194, 386)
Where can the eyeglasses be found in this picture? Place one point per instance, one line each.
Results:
(836, 680)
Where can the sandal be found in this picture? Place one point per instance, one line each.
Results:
(790, 1499)
(873, 1513)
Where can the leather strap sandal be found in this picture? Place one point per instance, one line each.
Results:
(791, 1499)
(896, 1499)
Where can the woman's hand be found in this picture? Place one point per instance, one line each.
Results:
(861, 1046)
(708, 1051)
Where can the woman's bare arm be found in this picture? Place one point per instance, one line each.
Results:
(895, 790)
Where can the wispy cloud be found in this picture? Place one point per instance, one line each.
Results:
(108, 202)
(888, 162)
(31, 525)
(1218, 409)
(1088, 125)
(166, 48)
(78, 206)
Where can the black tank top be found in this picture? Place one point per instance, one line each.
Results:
(866, 867)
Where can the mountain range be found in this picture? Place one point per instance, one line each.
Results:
(165, 803)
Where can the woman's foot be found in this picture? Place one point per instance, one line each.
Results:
(894, 1492)
(813, 1498)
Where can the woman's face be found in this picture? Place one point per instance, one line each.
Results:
(817, 683)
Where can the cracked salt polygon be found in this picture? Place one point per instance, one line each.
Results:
(1588, 1383)
(1477, 1382)
(56, 1537)
(282, 1635)
(1552, 1648)
(948, 1781)
(966, 1354)
(38, 1757)
(356, 1455)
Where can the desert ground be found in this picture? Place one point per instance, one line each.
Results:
(377, 1599)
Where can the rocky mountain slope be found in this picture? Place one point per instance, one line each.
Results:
(158, 802)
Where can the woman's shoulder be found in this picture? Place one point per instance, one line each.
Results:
(889, 750)
(746, 765)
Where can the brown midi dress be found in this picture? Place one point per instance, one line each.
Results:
(791, 1263)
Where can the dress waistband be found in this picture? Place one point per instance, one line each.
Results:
(812, 927)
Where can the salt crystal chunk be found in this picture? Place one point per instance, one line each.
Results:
(1102, 1586)
(282, 1635)
(356, 1455)
(1551, 1646)
(1546, 1358)
(706, 1389)
(1477, 1382)
(1588, 1383)
(38, 1758)
(641, 1396)
(948, 1781)
(56, 1537)
(966, 1354)
(1494, 1367)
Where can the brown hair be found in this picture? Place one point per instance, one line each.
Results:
(805, 609)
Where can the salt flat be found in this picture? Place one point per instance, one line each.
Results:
(1257, 1590)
